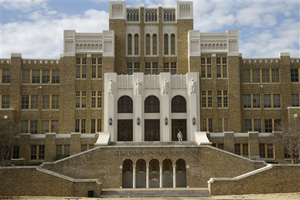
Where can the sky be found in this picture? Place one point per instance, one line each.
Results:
(35, 27)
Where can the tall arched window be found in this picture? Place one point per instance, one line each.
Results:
(125, 105)
(129, 44)
(152, 104)
(148, 44)
(178, 104)
(173, 44)
(136, 44)
(166, 44)
(154, 44)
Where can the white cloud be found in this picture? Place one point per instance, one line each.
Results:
(22, 5)
(43, 37)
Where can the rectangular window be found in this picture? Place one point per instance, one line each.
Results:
(267, 100)
(35, 76)
(94, 71)
(295, 100)
(16, 152)
(268, 125)
(5, 101)
(220, 124)
(82, 125)
(256, 100)
(203, 71)
(237, 148)
(155, 68)
(98, 125)
(77, 125)
(262, 151)
(248, 125)
(24, 126)
(93, 125)
(147, 68)
(255, 76)
(78, 71)
(25, 102)
(34, 126)
(276, 100)
(83, 99)
(173, 68)
(83, 71)
(129, 68)
(265, 75)
(286, 153)
(83, 147)
(219, 98)
(203, 99)
(41, 152)
(294, 75)
(245, 150)
(55, 76)
(55, 102)
(46, 76)
(6, 76)
(136, 67)
(247, 100)
(225, 99)
(275, 75)
(224, 70)
(59, 154)
(246, 75)
(46, 102)
(203, 124)
(208, 71)
(257, 125)
(270, 151)
(78, 98)
(209, 98)
(219, 72)
(33, 152)
(45, 126)
(54, 126)
(99, 72)
(34, 104)
(26, 76)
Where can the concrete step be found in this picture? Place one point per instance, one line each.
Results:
(155, 192)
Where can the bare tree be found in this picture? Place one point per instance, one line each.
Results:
(9, 132)
(289, 137)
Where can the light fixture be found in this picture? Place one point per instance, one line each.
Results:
(194, 120)
(138, 121)
(110, 121)
(166, 121)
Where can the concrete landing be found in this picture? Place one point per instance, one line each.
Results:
(155, 192)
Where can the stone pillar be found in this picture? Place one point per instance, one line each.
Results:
(253, 144)
(134, 176)
(138, 107)
(193, 106)
(160, 176)
(75, 144)
(50, 147)
(147, 176)
(165, 108)
(229, 141)
(174, 176)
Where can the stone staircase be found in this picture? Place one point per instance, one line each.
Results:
(155, 192)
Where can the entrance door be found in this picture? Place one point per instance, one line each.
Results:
(152, 130)
(178, 125)
(125, 130)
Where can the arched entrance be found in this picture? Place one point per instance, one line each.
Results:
(141, 173)
(167, 173)
(180, 173)
(178, 105)
(154, 173)
(127, 171)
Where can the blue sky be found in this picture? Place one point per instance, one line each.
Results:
(35, 27)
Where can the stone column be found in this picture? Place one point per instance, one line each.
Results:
(174, 176)
(160, 176)
(147, 176)
(134, 176)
